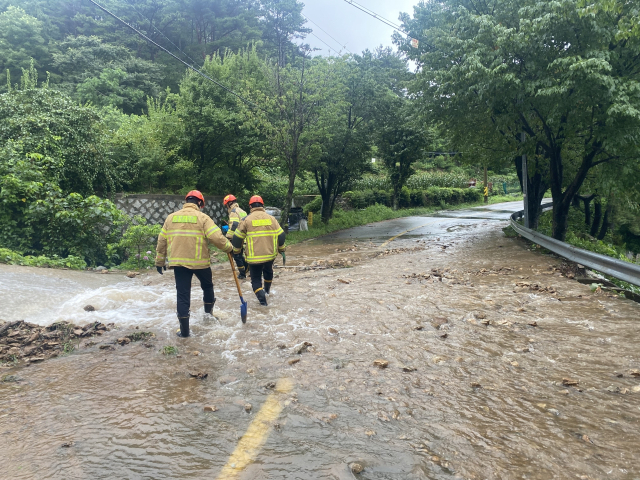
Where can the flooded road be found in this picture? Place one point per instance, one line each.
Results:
(498, 367)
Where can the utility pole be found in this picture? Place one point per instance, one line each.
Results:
(525, 183)
(486, 186)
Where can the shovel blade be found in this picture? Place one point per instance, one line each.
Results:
(243, 310)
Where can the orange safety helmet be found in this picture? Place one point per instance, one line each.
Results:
(256, 199)
(195, 194)
(228, 199)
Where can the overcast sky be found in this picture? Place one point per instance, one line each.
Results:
(350, 26)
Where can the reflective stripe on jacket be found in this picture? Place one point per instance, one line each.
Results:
(185, 237)
(236, 215)
(263, 234)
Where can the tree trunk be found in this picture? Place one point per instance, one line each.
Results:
(606, 221)
(596, 218)
(284, 219)
(560, 217)
(537, 187)
(587, 207)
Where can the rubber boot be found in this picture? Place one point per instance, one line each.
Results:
(262, 297)
(208, 307)
(242, 273)
(184, 327)
(267, 286)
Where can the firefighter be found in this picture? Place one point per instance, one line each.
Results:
(184, 240)
(236, 215)
(265, 239)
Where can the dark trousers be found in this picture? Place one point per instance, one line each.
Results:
(240, 262)
(257, 271)
(183, 286)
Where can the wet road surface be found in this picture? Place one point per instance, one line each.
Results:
(479, 334)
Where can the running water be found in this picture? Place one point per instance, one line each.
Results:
(479, 334)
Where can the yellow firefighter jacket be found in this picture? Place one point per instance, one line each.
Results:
(264, 236)
(236, 215)
(185, 237)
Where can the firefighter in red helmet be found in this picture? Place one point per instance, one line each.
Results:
(184, 241)
(236, 215)
(265, 239)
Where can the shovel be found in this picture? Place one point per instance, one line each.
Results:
(243, 304)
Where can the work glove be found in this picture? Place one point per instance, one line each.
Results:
(284, 258)
(225, 229)
(159, 269)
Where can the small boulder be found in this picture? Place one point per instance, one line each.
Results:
(380, 363)
(210, 408)
(89, 308)
(357, 468)
(124, 341)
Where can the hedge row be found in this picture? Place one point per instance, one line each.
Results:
(430, 197)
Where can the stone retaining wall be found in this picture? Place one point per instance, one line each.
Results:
(155, 208)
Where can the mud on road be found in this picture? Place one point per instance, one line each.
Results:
(464, 357)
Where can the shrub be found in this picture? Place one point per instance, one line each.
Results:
(313, 206)
(430, 197)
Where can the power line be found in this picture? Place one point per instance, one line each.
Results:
(383, 20)
(160, 32)
(191, 67)
(327, 33)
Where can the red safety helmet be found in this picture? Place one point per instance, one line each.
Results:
(228, 199)
(256, 199)
(195, 194)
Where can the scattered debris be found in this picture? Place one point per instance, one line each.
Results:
(380, 363)
(332, 331)
(635, 373)
(344, 281)
(270, 385)
(123, 341)
(301, 348)
(68, 444)
(132, 274)
(357, 468)
(476, 385)
(247, 407)
(199, 375)
(567, 382)
(438, 322)
(293, 361)
(24, 341)
(210, 408)
(369, 433)
(408, 369)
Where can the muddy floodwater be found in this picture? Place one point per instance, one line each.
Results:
(449, 352)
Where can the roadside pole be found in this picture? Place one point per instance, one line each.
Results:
(525, 182)
(486, 186)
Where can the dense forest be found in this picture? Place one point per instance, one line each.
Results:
(89, 109)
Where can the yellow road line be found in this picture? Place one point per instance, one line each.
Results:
(256, 435)
(405, 232)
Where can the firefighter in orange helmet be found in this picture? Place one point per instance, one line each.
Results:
(184, 240)
(265, 239)
(236, 215)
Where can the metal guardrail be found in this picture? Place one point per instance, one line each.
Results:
(619, 269)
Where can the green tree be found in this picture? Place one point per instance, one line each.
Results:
(347, 140)
(223, 136)
(569, 81)
(49, 123)
(20, 41)
(401, 142)
(304, 100)
(106, 74)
